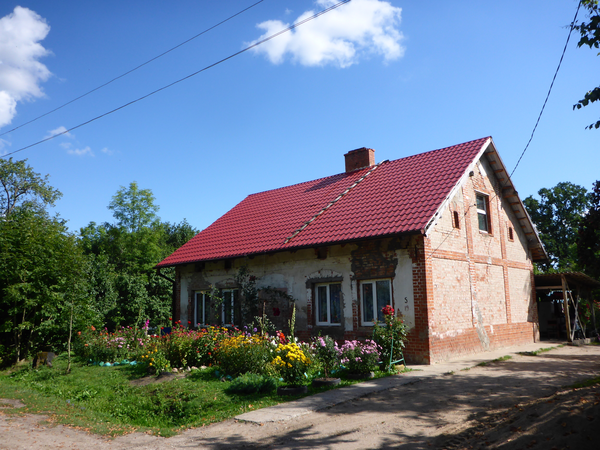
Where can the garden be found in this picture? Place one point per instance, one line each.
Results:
(162, 381)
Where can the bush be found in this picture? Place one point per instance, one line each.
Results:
(155, 359)
(360, 357)
(390, 335)
(252, 383)
(291, 363)
(241, 354)
(104, 346)
(327, 354)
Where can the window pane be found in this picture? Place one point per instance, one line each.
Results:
(227, 307)
(483, 224)
(481, 202)
(335, 294)
(322, 303)
(367, 295)
(199, 308)
(384, 297)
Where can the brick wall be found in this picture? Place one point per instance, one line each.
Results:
(482, 296)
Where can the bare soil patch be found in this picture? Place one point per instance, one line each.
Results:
(521, 403)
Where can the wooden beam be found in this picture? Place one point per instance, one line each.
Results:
(566, 307)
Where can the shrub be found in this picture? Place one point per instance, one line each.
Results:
(252, 383)
(390, 336)
(155, 359)
(243, 353)
(360, 357)
(327, 353)
(104, 346)
(291, 363)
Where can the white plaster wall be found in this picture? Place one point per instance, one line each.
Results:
(292, 270)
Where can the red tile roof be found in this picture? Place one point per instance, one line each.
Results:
(394, 197)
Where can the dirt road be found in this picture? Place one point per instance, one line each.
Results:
(521, 403)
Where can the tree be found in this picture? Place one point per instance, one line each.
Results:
(557, 216)
(42, 281)
(590, 36)
(588, 242)
(21, 186)
(125, 285)
(134, 208)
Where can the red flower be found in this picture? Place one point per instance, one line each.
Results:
(387, 310)
(170, 318)
(189, 323)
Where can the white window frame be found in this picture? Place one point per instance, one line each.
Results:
(204, 299)
(232, 291)
(483, 212)
(376, 308)
(328, 322)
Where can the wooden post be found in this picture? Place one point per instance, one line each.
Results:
(566, 308)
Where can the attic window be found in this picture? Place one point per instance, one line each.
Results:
(455, 220)
(483, 216)
(511, 234)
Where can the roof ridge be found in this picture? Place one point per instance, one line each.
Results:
(331, 203)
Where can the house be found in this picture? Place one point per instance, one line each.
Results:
(442, 236)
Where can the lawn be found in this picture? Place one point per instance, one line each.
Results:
(105, 400)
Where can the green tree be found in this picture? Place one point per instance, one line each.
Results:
(590, 36)
(588, 243)
(21, 186)
(126, 286)
(557, 215)
(42, 279)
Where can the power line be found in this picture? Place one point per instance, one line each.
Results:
(549, 90)
(285, 30)
(134, 69)
(536, 123)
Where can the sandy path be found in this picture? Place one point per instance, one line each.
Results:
(520, 403)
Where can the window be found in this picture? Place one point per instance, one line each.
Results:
(456, 220)
(375, 295)
(230, 310)
(483, 216)
(202, 303)
(229, 313)
(329, 304)
(511, 234)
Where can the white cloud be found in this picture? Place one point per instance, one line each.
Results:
(4, 143)
(106, 151)
(20, 71)
(60, 130)
(80, 152)
(339, 37)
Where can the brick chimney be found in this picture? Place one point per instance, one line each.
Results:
(359, 159)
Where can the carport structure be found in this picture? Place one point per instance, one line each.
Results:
(570, 289)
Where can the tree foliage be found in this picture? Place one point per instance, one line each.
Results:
(21, 186)
(557, 215)
(42, 275)
(125, 284)
(588, 243)
(590, 36)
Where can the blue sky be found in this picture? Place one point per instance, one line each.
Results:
(402, 77)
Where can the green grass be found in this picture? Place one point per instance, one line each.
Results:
(586, 383)
(102, 399)
(540, 350)
(502, 358)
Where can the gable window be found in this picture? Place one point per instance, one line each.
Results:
(375, 295)
(456, 220)
(483, 216)
(511, 234)
(329, 303)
